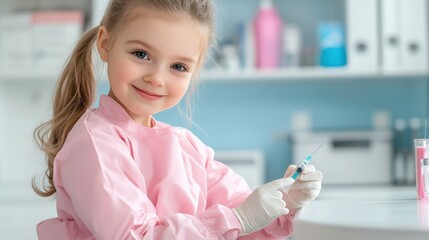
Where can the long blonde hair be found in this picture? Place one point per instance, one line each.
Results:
(76, 88)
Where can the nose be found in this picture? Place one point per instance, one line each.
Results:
(154, 76)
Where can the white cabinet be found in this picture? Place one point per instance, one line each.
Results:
(347, 157)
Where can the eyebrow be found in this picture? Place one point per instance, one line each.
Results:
(145, 45)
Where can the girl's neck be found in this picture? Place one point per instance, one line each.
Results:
(144, 121)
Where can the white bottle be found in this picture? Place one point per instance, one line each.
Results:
(291, 45)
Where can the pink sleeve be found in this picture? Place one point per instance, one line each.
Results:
(230, 189)
(108, 194)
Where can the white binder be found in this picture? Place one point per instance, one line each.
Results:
(404, 39)
(390, 35)
(362, 34)
(414, 30)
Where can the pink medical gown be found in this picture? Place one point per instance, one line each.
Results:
(116, 179)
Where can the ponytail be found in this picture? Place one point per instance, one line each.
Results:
(74, 94)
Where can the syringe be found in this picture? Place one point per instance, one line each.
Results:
(300, 167)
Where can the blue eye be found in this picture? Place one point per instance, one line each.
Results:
(179, 67)
(141, 54)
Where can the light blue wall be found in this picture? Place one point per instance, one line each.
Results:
(234, 115)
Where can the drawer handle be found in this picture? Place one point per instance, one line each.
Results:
(351, 143)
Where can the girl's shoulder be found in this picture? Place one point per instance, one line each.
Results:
(93, 125)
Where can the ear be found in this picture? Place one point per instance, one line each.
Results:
(103, 43)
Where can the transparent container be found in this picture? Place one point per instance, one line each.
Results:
(422, 168)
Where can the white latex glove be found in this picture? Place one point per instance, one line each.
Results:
(262, 206)
(305, 189)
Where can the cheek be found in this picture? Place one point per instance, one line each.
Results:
(121, 70)
(179, 89)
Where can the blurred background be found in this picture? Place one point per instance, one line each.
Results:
(287, 76)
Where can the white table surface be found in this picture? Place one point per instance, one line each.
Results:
(364, 212)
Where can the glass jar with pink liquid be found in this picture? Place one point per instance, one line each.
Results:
(422, 168)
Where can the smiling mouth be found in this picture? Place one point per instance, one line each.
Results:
(148, 95)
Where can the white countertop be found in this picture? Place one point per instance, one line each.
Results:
(364, 212)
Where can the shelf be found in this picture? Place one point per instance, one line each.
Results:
(283, 75)
(305, 73)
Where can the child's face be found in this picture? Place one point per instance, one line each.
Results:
(151, 61)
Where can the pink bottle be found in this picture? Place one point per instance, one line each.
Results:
(268, 31)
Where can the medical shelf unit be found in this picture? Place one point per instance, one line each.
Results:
(26, 94)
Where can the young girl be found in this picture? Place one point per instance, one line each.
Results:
(117, 172)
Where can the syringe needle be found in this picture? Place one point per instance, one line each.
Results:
(317, 149)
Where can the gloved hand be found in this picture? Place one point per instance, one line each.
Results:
(306, 188)
(262, 206)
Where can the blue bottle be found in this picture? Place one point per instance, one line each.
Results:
(332, 45)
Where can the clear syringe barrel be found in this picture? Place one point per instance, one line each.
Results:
(300, 168)
(298, 171)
